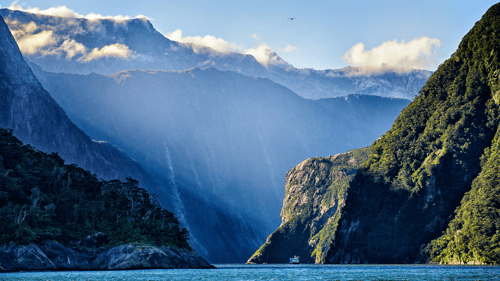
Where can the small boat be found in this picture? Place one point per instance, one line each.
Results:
(294, 260)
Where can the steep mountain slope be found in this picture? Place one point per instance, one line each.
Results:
(38, 120)
(77, 45)
(418, 172)
(223, 136)
(315, 193)
(50, 187)
(77, 217)
(473, 235)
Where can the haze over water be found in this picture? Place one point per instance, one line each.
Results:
(279, 272)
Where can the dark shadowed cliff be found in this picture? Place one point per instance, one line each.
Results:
(36, 118)
(315, 194)
(219, 137)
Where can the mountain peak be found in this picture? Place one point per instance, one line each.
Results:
(106, 46)
(13, 68)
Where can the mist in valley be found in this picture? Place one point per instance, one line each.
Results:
(216, 131)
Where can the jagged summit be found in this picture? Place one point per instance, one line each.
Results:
(36, 118)
(14, 71)
(82, 46)
(109, 30)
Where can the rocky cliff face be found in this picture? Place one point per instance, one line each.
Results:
(223, 137)
(142, 47)
(43, 200)
(315, 193)
(220, 139)
(36, 118)
(442, 145)
(54, 256)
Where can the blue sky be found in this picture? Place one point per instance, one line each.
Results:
(325, 35)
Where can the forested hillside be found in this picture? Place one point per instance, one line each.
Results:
(405, 195)
(473, 235)
(43, 199)
(219, 137)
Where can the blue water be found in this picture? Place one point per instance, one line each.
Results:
(278, 272)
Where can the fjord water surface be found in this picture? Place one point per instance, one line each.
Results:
(278, 272)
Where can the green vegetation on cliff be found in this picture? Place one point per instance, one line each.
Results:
(43, 199)
(474, 234)
(315, 192)
(418, 172)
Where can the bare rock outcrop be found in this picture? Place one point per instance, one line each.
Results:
(315, 193)
(54, 256)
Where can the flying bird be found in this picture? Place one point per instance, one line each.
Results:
(291, 18)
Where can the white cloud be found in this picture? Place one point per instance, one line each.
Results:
(60, 11)
(34, 42)
(28, 39)
(261, 53)
(47, 44)
(290, 48)
(63, 11)
(73, 48)
(33, 39)
(417, 53)
(68, 48)
(20, 29)
(255, 36)
(115, 50)
(210, 41)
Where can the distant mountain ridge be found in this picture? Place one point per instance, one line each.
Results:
(28, 109)
(37, 120)
(142, 47)
(429, 191)
(219, 135)
(218, 142)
